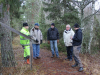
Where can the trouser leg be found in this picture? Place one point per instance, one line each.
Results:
(76, 51)
(56, 48)
(52, 47)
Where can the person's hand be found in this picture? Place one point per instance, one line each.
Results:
(41, 42)
(36, 41)
(57, 41)
(48, 42)
(71, 38)
(30, 36)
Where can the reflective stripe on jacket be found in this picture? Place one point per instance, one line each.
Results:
(23, 40)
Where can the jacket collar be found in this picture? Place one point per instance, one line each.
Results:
(53, 28)
(24, 29)
(68, 31)
(77, 29)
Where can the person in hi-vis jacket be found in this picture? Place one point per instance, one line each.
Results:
(25, 43)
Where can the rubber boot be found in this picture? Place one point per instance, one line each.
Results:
(28, 62)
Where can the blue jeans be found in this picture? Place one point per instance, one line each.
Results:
(53, 43)
(36, 50)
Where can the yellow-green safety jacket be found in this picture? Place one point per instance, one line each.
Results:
(23, 40)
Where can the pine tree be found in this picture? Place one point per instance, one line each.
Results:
(9, 8)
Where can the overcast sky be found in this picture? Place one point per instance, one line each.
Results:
(97, 4)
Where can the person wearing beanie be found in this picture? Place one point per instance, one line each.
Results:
(37, 40)
(25, 43)
(77, 41)
(53, 39)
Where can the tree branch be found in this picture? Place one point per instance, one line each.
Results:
(91, 14)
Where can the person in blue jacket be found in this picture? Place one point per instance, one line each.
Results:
(77, 41)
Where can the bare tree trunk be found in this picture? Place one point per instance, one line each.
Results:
(91, 31)
(82, 26)
(6, 43)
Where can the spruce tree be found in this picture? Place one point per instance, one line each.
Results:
(61, 11)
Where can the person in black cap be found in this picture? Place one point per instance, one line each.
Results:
(53, 39)
(25, 43)
(77, 40)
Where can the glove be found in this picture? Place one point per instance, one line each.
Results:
(57, 41)
(41, 42)
(48, 42)
(36, 41)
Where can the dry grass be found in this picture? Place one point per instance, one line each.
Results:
(91, 64)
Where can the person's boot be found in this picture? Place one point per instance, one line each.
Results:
(66, 58)
(80, 69)
(70, 59)
(28, 62)
(38, 57)
(58, 57)
(75, 65)
(52, 56)
(34, 58)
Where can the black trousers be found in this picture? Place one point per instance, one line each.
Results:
(69, 52)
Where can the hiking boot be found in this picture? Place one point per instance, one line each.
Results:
(34, 58)
(66, 58)
(70, 59)
(75, 65)
(38, 57)
(80, 69)
(58, 57)
(52, 56)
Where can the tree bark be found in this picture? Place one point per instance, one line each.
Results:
(91, 31)
(6, 43)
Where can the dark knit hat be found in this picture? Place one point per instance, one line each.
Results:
(76, 25)
(36, 24)
(52, 24)
(25, 24)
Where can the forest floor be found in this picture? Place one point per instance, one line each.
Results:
(50, 66)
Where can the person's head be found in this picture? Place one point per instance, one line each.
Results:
(52, 25)
(25, 25)
(36, 25)
(76, 26)
(68, 27)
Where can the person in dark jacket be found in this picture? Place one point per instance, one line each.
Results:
(53, 39)
(77, 40)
